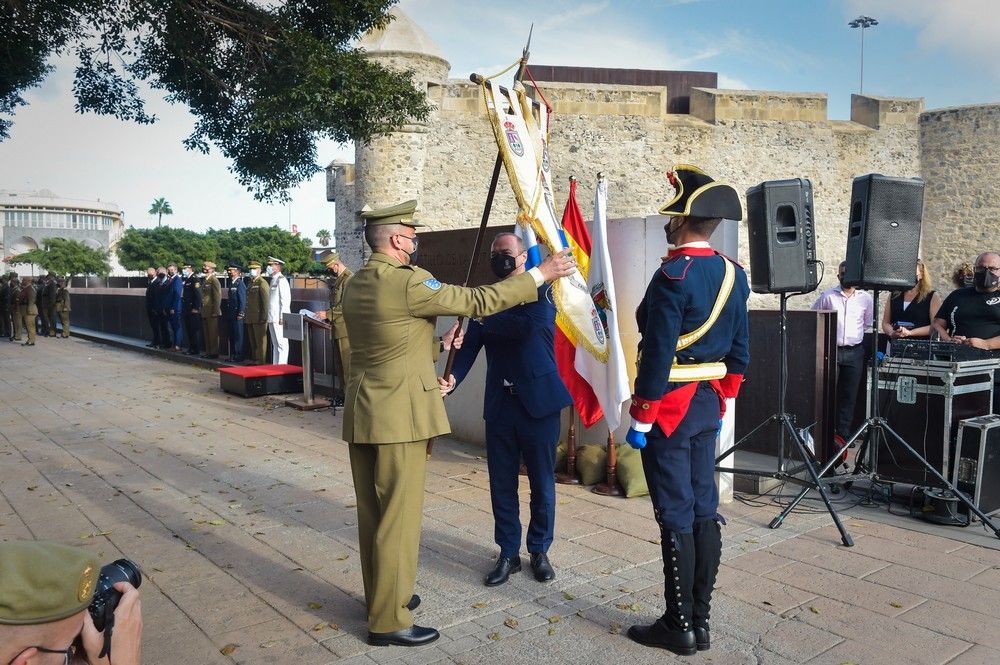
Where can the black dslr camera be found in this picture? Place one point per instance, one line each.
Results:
(106, 597)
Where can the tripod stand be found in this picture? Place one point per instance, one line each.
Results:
(874, 430)
(786, 426)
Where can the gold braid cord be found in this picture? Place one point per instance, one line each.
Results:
(576, 314)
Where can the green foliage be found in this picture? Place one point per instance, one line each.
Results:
(315, 268)
(258, 243)
(264, 80)
(160, 208)
(324, 237)
(67, 257)
(141, 248)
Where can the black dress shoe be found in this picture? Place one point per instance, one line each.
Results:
(414, 636)
(701, 638)
(543, 569)
(680, 642)
(415, 603)
(501, 572)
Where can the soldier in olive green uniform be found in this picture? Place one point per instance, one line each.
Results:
(45, 590)
(63, 306)
(394, 403)
(335, 315)
(258, 298)
(211, 310)
(27, 310)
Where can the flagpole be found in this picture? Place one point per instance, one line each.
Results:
(487, 208)
(610, 486)
(570, 477)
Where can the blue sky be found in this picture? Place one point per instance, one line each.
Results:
(946, 51)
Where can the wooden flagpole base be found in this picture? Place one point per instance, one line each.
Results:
(610, 486)
(569, 478)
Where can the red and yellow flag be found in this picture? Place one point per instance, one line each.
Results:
(578, 238)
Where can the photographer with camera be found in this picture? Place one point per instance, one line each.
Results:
(57, 605)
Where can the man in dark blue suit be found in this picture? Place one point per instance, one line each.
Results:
(524, 397)
(164, 297)
(236, 310)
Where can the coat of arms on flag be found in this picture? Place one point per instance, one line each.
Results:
(521, 131)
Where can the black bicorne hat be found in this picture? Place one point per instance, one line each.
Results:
(699, 195)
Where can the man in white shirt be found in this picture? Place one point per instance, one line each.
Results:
(854, 315)
(279, 304)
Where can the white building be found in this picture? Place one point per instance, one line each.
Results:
(29, 218)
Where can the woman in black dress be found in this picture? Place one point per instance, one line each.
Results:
(909, 313)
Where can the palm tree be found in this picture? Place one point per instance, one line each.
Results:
(323, 236)
(160, 208)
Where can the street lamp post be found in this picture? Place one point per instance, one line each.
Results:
(863, 22)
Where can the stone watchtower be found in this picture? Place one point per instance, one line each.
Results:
(390, 168)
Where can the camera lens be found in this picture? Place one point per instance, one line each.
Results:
(122, 570)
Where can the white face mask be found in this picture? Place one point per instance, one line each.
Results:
(187, 273)
(270, 271)
(254, 272)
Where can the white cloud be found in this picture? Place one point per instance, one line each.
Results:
(730, 83)
(969, 29)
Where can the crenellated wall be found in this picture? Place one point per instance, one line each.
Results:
(739, 136)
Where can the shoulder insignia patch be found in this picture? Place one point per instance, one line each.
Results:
(432, 284)
(676, 268)
(197, 286)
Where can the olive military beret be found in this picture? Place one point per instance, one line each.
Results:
(44, 582)
(401, 213)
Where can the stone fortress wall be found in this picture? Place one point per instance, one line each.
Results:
(739, 136)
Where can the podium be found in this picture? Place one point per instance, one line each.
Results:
(298, 327)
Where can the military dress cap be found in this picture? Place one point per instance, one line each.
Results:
(699, 195)
(254, 264)
(208, 264)
(401, 213)
(328, 257)
(271, 259)
(44, 582)
(234, 266)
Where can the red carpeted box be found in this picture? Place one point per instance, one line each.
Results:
(258, 380)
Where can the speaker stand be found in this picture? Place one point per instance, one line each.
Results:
(874, 429)
(786, 426)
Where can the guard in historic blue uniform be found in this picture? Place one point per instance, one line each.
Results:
(692, 356)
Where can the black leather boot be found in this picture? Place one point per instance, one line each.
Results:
(708, 552)
(674, 630)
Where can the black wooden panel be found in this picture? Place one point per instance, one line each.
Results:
(811, 375)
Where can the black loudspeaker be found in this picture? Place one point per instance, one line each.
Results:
(883, 238)
(782, 240)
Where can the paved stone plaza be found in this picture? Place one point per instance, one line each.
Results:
(241, 513)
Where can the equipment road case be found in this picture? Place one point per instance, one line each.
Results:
(923, 401)
(977, 456)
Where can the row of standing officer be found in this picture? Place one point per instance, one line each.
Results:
(193, 302)
(22, 301)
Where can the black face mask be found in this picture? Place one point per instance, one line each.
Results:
(671, 234)
(503, 264)
(985, 280)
